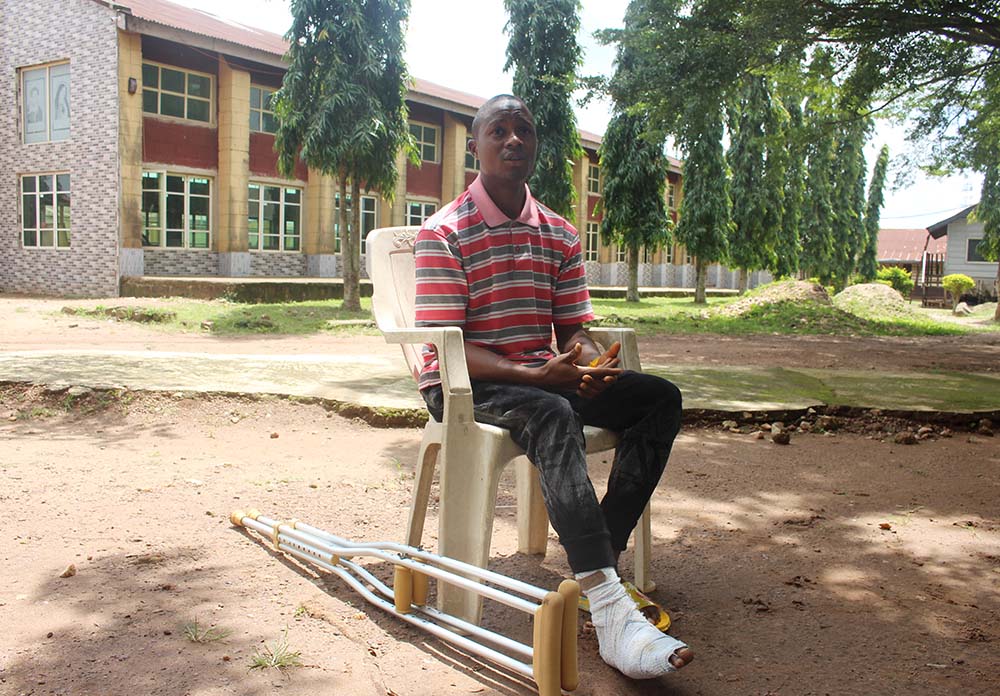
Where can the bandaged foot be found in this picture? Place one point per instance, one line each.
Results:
(628, 642)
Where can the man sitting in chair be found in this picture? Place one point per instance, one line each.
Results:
(507, 270)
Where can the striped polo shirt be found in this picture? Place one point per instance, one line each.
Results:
(504, 282)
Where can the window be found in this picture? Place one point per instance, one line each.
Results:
(369, 218)
(426, 138)
(594, 179)
(590, 251)
(176, 211)
(417, 212)
(45, 103)
(262, 118)
(672, 196)
(274, 218)
(45, 210)
(471, 162)
(177, 93)
(972, 252)
(622, 253)
(647, 255)
(668, 253)
(688, 259)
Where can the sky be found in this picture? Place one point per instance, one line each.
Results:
(439, 29)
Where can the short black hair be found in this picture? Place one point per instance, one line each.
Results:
(487, 106)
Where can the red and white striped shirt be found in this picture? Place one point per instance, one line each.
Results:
(504, 282)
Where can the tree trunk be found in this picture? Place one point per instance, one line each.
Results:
(351, 247)
(996, 286)
(347, 252)
(632, 293)
(700, 271)
(744, 280)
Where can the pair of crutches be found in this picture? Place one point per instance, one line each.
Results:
(550, 660)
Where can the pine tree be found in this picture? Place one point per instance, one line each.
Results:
(848, 178)
(868, 259)
(635, 173)
(341, 106)
(788, 250)
(752, 242)
(545, 56)
(705, 223)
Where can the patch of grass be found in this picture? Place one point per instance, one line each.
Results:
(226, 318)
(680, 315)
(142, 315)
(277, 656)
(199, 633)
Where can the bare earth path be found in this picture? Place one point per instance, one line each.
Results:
(835, 565)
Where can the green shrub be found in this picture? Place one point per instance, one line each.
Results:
(898, 278)
(956, 284)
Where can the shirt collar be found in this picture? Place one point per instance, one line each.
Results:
(493, 216)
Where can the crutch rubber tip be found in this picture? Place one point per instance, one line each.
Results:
(236, 517)
(253, 513)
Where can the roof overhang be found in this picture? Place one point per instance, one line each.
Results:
(208, 43)
(940, 229)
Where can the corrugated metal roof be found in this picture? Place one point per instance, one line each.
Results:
(940, 229)
(907, 244)
(205, 24)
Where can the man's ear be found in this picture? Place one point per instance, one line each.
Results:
(471, 147)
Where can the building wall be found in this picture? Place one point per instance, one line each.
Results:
(85, 33)
(956, 253)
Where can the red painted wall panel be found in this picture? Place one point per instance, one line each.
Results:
(591, 204)
(264, 160)
(424, 181)
(178, 143)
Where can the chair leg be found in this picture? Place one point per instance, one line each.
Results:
(643, 551)
(470, 474)
(532, 517)
(422, 479)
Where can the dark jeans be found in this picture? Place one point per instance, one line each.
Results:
(644, 409)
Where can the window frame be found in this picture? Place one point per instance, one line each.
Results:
(423, 211)
(23, 101)
(186, 231)
(593, 182)
(671, 196)
(968, 251)
(374, 212)
(420, 142)
(592, 232)
(159, 91)
(476, 166)
(621, 253)
(283, 206)
(36, 196)
(261, 110)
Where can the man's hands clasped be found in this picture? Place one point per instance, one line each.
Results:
(588, 380)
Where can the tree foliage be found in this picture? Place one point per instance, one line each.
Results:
(848, 200)
(545, 56)
(868, 259)
(635, 173)
(341, 106)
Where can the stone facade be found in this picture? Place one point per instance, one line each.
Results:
(277, 265)
(181, 262)
(85, 34)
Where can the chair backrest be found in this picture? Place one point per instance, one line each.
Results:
(390, 264)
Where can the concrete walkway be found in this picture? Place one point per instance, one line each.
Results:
(382, 382)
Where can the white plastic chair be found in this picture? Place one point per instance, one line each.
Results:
(472, 454)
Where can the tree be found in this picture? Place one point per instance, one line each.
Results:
(988, 212)
(868, 259)
(848, 179)
(635, 173)
(756, 210)
(705, 223)
(817, 232)
(545, 56)
(789, 246)
(956, 285)
(341, 106)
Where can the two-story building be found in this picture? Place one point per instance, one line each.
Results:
(137, 140)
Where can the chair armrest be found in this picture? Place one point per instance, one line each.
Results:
(629, 354)
(450, 345)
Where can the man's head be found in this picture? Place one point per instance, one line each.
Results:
(503, 138)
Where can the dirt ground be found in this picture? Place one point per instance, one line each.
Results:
(835, 565)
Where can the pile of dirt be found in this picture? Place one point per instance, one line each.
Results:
(874, 301)
(799, 292)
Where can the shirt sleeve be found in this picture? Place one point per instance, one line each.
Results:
(571, 299)
(442, 288)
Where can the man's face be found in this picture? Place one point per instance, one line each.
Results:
(506, 142)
